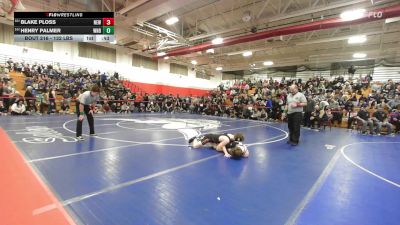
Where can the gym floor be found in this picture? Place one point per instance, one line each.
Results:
(139, 170)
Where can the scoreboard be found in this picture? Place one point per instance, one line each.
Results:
(64, 26)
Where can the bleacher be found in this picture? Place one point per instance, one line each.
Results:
(19, 78)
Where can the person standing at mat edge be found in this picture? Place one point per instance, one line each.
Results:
(295, 103)
(87, 103)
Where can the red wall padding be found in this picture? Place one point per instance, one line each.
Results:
(164, 89)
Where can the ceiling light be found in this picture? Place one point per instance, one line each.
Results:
(247, 53)
(161, 53)
(268, 63)
(211, 50)
(166, 57)
(172, 20)
(357, 39)
(217, 41)
(359, 55)
(391, 20)
(352, 14)
(218, 68)
(194, 62)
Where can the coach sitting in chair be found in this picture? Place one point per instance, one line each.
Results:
(380, 119)
(395, 119)
(363, 118)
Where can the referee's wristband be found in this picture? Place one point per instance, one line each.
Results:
(81, 113)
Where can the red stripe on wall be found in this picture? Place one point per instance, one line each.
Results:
(164, 89)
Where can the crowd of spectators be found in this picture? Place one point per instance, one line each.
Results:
(49, 86)
(329, 101)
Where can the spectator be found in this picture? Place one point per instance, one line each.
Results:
(256, 114)
(395, 119)
(380, 119)
(124, 108)
(43, 101)
(157, 108)
(106, 107)
(337, 113)
(18, 108)
(389, 88)
(150, 107)
(352, 116)
(30, 100)
(364, 119)
(263, 115)
(66, 97)
(52, 101)
(7, 93)
(103, 79)
(3, 110)
(316, 118)
(394, 103)
(64, 108)
(10, 64)
(308, 109)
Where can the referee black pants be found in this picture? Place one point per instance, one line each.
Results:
(86, 109)
(294, 122)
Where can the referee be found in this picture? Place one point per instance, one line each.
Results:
(295, 103)
(87, 102)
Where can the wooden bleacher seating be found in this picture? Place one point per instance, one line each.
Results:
(228, 102)
(19, 78)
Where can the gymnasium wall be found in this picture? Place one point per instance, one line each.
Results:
(68, 55)
(379, 73)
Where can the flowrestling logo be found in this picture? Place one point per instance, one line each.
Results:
(188, 127)
(42, 135)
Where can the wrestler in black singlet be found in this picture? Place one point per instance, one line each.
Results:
(232, 144)
(212, 138)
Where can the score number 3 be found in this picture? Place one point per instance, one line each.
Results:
(108, 21)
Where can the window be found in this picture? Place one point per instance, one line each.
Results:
(93, 51)
(178, 69)
(145, 62)
(202, 75)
